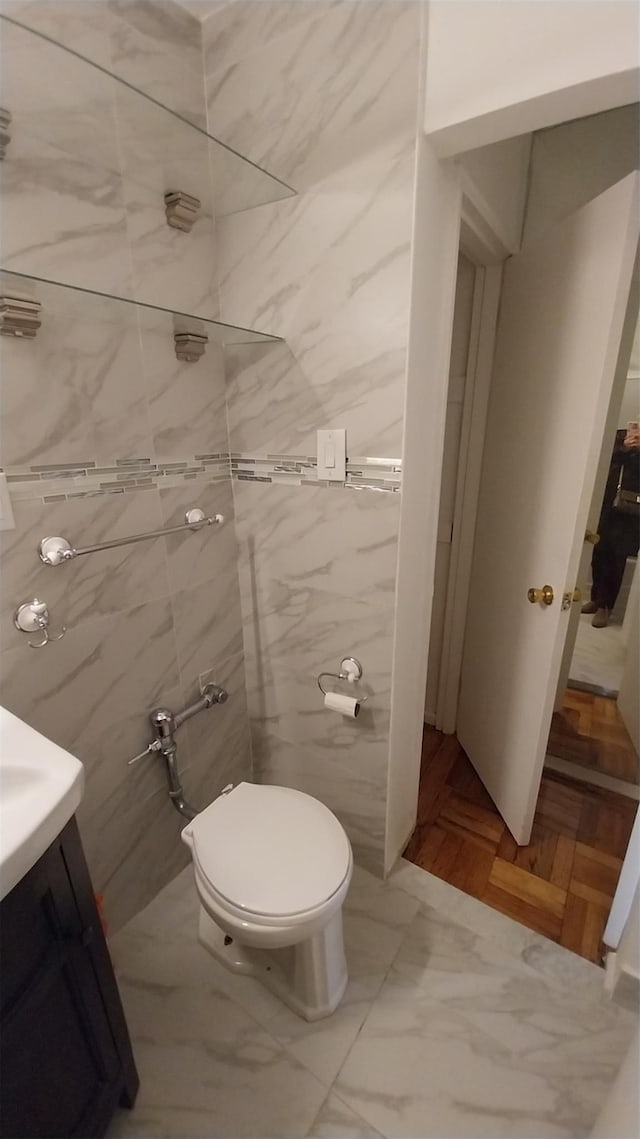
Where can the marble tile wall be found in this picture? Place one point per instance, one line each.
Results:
(325, 95)
(133, 437)
(90, 160)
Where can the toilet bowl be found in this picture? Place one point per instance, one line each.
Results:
(272, 868)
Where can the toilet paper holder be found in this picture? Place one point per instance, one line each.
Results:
(350, 670)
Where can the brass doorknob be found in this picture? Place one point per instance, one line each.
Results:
(544, 596)
(591, 536)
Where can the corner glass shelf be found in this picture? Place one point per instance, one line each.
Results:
(87, 305)
(61, 102)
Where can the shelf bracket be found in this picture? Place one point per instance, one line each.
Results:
(190, 346)
(19, 317)
(5, 137)
(181, 209)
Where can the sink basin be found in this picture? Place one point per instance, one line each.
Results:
(41, 786)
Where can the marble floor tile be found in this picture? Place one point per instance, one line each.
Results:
(445, 1032)
(422, 1067)
(536, 951)
(322, 1047)
(452, 963)
(376, 917)
(207, 1069)
(419, 1069)
(465, 910)
(426, 888)
(173, 917)
(337, 1121)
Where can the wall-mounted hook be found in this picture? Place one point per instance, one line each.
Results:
(32, 617)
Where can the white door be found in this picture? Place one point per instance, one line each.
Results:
(562, 313)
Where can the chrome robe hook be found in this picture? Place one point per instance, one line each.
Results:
(32, 617)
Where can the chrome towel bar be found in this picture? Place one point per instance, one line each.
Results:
(54, 551)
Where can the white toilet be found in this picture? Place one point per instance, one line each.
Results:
(272, 868)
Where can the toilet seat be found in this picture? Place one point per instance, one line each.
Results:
(269, 855)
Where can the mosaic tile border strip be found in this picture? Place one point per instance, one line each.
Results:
(363, 472)
(56, 482)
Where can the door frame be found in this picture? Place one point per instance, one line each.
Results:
(480, 245)
(437, 225)
(444, 220)
(484, 323)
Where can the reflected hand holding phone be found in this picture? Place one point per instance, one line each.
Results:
(632, 438)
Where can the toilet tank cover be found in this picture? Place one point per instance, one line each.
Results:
(270, 850)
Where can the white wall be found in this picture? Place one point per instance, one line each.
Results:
(574, 162)
(496, 69)
(435, 253)
(494, 182)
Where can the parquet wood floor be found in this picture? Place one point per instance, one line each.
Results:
(590, 731)
(561, 884)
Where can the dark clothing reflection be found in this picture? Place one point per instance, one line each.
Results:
(619, 532)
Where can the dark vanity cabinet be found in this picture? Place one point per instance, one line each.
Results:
(64, 1046)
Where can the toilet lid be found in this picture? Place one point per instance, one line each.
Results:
(272, 851)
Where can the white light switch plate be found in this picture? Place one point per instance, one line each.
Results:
(6, 510)
(332, 454)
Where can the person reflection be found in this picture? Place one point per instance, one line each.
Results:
(619, 526)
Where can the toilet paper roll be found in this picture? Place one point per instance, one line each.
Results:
(345, 705)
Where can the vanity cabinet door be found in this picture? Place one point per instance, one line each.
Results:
(62, 1065)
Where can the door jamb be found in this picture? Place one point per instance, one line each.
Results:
(484, 320)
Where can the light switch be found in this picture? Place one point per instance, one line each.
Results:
(332, 454)
(6, 510)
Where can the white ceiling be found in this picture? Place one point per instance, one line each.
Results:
(200, 8)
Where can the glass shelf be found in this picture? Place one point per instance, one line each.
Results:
(63, 101)
(87, 305)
